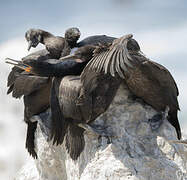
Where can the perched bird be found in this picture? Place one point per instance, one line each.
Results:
(146, 79)
(57, 46)
(34, 89)
(69, 108)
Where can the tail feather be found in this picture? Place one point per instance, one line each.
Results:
(59, 125)
(173, 119)
(74, 141)
(30, 138)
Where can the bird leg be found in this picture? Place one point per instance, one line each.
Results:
(157, 119)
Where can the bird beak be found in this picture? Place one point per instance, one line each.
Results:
(79, 60)
(178, 141)
(29, 45)
(72, 56)
(18, 64)
(9, 59)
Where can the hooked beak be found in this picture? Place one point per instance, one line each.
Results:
(178, 141)
(18, 64)
(72, 56)
(29, 45)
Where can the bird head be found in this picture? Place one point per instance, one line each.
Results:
(33, 37)
(132, 45)
(72, 35)
(82, 54)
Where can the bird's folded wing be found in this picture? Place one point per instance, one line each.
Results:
(13, 75)
(160, 74)
(26, 84)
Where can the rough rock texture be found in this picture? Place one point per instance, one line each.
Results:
(134, 153)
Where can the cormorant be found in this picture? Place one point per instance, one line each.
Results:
(35, 89)
(119, 61)
(70, 108)
(56, 45)
(146, 79)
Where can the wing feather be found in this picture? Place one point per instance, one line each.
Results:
(113, 63)
(118, 68)
(101, 63)
(25, 85)
(116, 60)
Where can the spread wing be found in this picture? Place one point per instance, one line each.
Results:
(115, 60)
(121, 58)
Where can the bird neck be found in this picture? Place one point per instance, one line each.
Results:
(72, 42)
(45, 36)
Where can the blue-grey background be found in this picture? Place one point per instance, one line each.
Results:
(159, 26)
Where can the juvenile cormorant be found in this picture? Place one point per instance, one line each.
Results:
(56, 45)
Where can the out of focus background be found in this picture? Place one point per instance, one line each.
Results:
(159, 26)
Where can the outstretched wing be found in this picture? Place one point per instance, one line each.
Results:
(115, 60)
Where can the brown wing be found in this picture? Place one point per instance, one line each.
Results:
(116, 60)
(26, 84)
(161, 73)
(163, 78)
(101, 88)
(13, 75)
(37, 101)
(69, 91)
(84, 102)
(41, 55)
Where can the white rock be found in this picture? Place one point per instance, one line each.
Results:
(136, 152)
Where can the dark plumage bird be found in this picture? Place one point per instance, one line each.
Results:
(146, 79)
(71, 104)
(35, 89)
(56, 45)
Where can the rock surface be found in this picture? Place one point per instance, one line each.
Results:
(136, 152)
